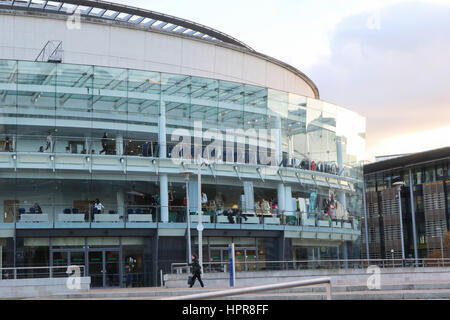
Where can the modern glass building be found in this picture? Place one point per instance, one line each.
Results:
(424, 201)
(104, 112)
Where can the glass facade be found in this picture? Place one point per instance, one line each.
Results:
(83, 144)
(431, 192)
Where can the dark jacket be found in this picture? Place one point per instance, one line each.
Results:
(196, 268)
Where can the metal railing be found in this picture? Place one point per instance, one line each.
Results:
(38, 272)
(51, 213)
(249, 266)
(268, 287)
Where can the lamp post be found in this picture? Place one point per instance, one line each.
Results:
(188, 218)
(392, 255)
(413, 216)
(200, 227)
(439, 229)
(399, 186)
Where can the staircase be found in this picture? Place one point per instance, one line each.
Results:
(394, 291)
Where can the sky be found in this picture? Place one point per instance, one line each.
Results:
(385, 59)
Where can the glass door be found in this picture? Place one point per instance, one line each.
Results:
(96, 269)
(112, 269)
(239, 255)
(215, 255)
(250, 259)
(104, 268)
(76, 258)
(60, 264)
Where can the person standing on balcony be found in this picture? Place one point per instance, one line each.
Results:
(98, 205)
(104, 143)
(49, 141)
(7, 147)
(37, 208)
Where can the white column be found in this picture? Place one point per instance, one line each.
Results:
(276, 134)
(200, 215)
(164, 197)
(278, 140)
(288, 204)
(119, 145)
(87, 147)
(281, 195)
(345, 254)
(162, 130)
(340, 162)
(291, 147)
(120, 203)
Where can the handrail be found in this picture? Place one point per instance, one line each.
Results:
(268, 287)
(49, 269)
(383, 263)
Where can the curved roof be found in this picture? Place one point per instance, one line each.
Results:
(123, 13)
(142, 18)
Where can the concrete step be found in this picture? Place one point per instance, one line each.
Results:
(435, 290)
(357, 295)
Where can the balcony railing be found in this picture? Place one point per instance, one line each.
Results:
(60, 215)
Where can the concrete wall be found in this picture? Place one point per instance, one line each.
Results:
(34, 288)
(108, 45)
(338, 277)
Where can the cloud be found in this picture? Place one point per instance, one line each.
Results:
(396, 72)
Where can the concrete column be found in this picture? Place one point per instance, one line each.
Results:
(288, 204)
(121, 203)
(162, 130)
(340, 195)
(87, 145)
(345, 253)
(281, 195)
(291, 147)
(164, 197)
(193, 196)
(119, 145)
(276, 133)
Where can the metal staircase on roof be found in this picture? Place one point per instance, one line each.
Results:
(52, 52)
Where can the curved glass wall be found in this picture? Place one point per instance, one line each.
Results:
(72, 99)
(94, 118)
